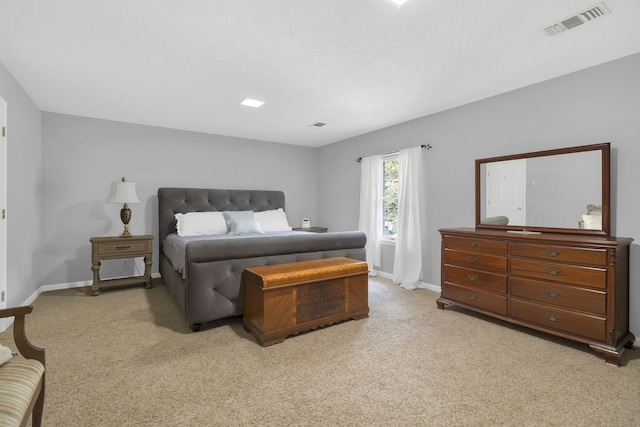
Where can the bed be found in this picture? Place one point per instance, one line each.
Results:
(204, 273)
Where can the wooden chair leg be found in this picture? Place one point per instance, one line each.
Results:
(38, 408)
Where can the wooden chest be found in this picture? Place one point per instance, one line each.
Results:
(285, 299)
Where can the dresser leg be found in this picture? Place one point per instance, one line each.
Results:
(612, 359)
(442, 304)
(611, 356)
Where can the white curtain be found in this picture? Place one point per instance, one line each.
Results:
(407, 263)
(370, 216)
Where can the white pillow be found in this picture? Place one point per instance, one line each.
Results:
(200, 224)
(274, 220)
(5, 355)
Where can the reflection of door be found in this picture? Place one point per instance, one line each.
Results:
(3, 205)
(507, 190)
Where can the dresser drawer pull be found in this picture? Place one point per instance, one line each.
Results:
(473, 244)
(552, 317)
(553, 252)
(472, 297)
(123, 247)
(553, 271)
(552, 294)
(472, 276)
(472, 258)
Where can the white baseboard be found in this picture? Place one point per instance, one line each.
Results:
(420, 285)
(60, 286)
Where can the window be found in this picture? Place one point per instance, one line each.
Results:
(389, 197)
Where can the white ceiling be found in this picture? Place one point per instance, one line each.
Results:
(357, 65)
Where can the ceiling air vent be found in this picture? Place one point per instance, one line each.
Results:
(578, 19)
(318, 124)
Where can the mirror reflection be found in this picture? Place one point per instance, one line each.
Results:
(557, 191)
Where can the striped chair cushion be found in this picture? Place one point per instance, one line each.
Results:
(18, 382)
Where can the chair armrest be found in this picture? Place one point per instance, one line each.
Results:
(26, 349)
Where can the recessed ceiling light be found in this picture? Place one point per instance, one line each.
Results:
(252, 103)
(399, 2)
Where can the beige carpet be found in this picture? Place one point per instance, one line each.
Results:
(128, 358)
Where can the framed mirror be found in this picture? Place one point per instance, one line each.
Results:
(565, 190)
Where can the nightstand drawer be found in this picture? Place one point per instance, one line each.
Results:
(120, 247)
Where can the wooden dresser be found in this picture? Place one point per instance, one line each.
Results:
(573, 286)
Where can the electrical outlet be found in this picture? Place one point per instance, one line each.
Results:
(3, 296)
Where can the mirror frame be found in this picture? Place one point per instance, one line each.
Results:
(606, 190)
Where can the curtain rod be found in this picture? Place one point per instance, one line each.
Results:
(427, 146)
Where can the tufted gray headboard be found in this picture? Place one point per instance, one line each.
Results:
(182, 200)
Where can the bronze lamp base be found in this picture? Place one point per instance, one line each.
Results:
(125, 216)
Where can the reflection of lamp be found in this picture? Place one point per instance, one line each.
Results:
(124, 192)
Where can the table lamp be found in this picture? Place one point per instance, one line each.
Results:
(124, 192)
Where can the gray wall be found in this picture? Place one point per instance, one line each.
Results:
(83, 156)
(56, 204)
(24, 173)
(600, 104)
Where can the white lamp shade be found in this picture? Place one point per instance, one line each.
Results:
(123, 192)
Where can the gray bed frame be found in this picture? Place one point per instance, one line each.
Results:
(212, 285)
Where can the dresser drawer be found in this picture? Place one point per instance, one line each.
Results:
(560, 253)
(585, 325)
(475, 245)
(475, 260)
(573, 274)
(475, 298)
(120, 247)
(564, 295)
(476, 278)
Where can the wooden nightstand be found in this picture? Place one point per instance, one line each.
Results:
(120, 247)
(313, 229)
